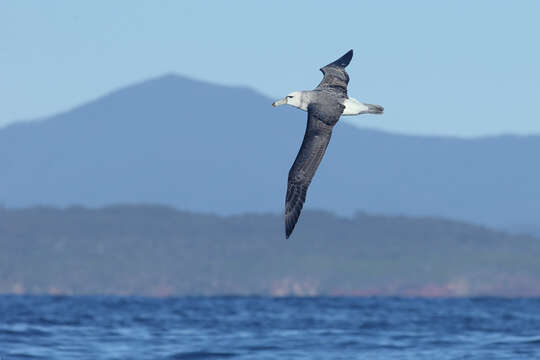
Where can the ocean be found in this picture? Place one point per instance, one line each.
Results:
(104, 327)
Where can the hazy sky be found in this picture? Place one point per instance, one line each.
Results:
(456, 68)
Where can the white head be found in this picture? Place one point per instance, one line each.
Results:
(296, 99)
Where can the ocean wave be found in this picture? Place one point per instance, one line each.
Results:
(194, 355)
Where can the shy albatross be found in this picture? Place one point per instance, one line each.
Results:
(324, 105)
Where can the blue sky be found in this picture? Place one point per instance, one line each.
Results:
(466, 68)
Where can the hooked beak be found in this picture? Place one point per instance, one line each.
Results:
(279, 102)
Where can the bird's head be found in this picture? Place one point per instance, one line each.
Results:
(293, 99)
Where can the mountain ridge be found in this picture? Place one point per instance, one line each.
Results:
(215, 148)
(182, 77)
(160, 251)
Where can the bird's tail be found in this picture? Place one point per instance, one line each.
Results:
(374, 109)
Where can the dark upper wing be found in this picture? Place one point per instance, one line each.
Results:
(321, 119)
(335, 77)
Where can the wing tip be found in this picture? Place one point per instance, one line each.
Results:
(288, 228)
(290, 222)
(344, 60)
(347, 58)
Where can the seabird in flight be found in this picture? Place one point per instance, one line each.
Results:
(324, 105)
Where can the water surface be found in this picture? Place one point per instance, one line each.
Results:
(60, 328)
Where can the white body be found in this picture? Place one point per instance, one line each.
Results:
(354, 107)
(301, 100)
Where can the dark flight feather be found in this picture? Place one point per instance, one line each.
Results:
(335, 78)
(321, 119)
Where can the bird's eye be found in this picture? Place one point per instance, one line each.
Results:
(289, 96)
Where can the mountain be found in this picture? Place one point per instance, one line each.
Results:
(209, 148)
(155, 250)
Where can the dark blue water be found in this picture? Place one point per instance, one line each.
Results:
(268, 328)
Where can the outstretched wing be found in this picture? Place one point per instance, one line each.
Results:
(321, 119)
(335, 77)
